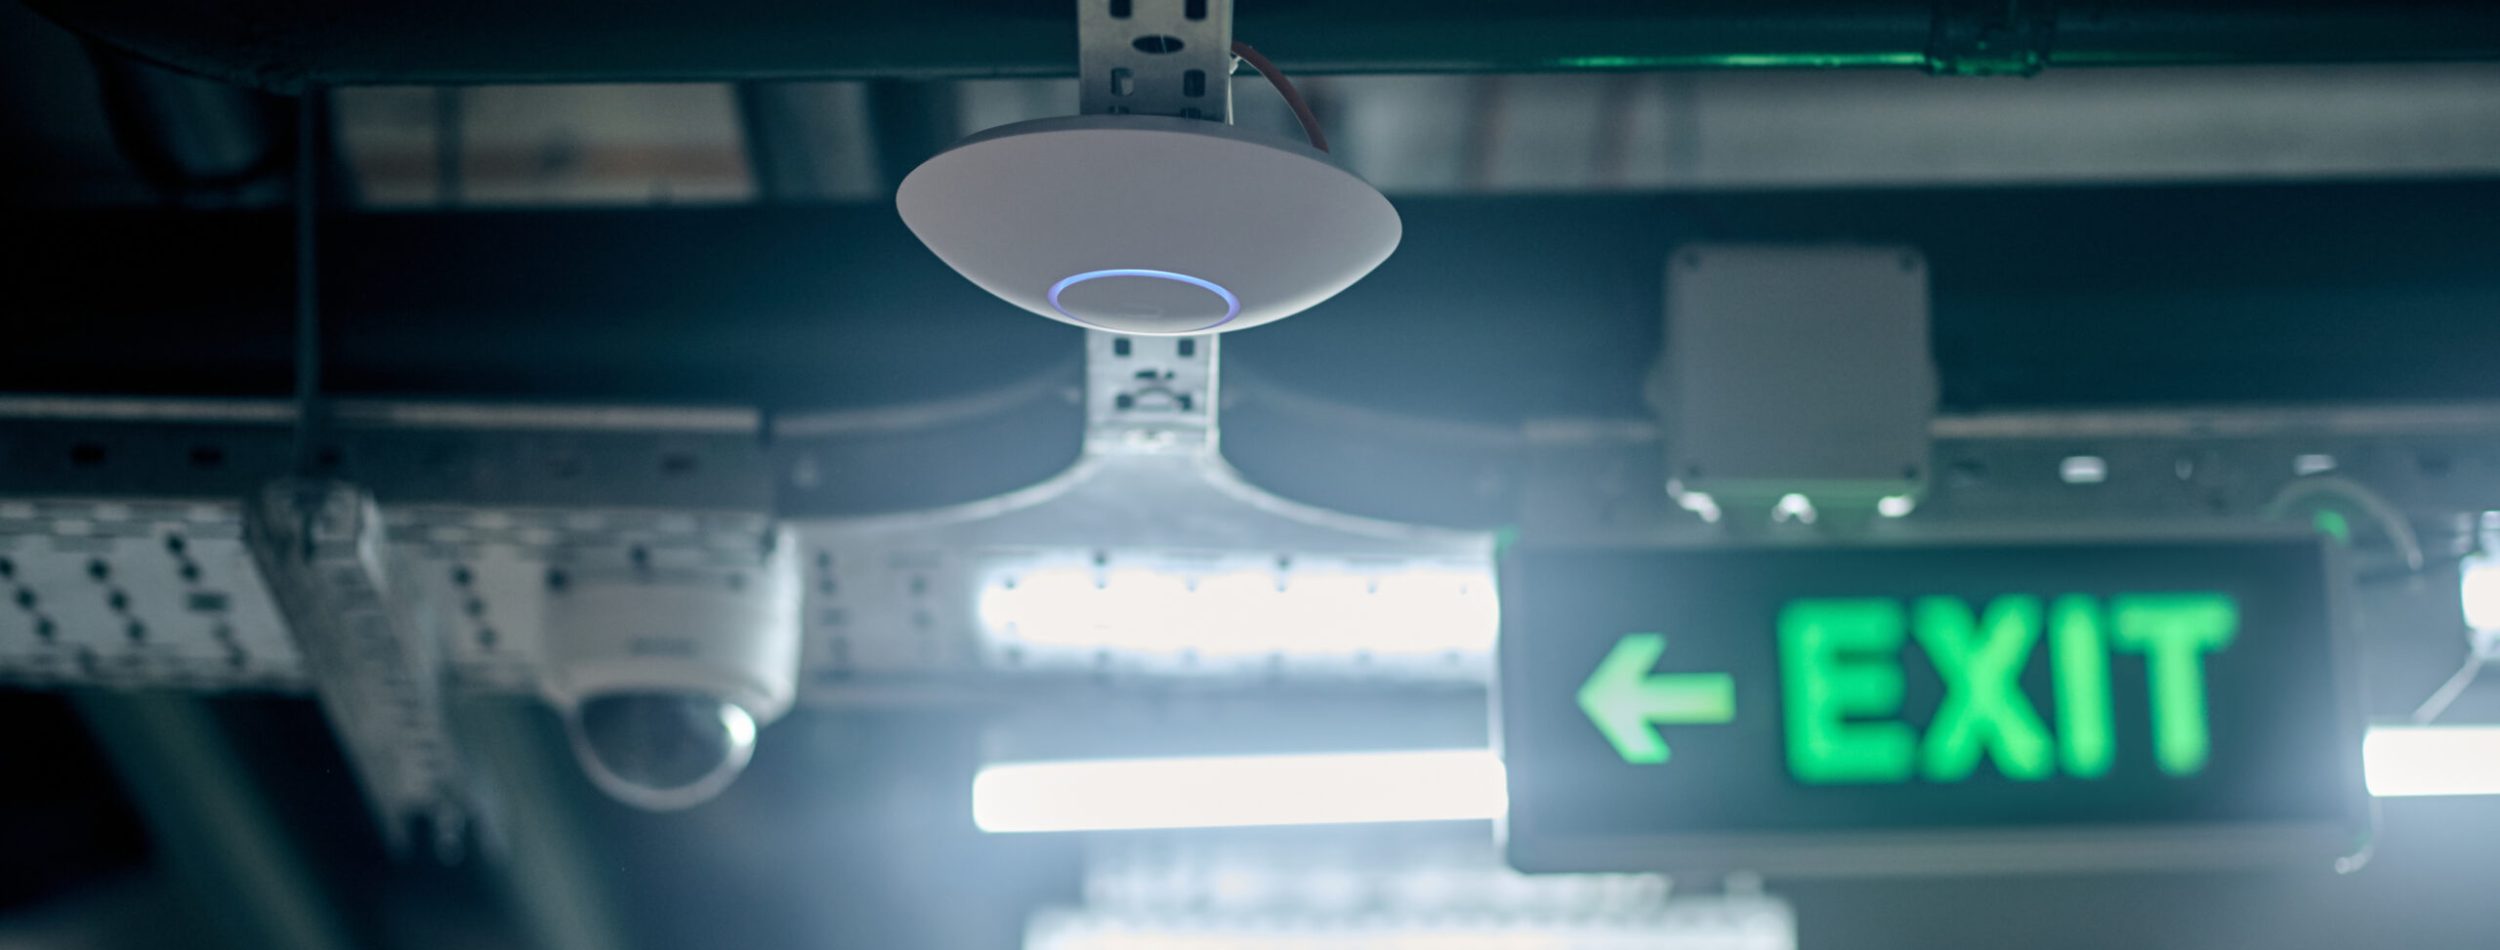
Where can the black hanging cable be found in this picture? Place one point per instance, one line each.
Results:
(1293, 97)
(308, 419)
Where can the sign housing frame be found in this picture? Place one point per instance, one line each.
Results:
(1951, 851)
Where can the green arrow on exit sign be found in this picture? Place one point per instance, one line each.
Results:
(1624, 701)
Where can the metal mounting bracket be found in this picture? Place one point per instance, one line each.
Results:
(379, 676)
(1155, 57)
(1150, 497)
(1149, 394)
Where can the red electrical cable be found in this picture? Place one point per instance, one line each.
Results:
(1284, 86)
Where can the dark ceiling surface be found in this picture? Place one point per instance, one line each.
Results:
(1496, 309)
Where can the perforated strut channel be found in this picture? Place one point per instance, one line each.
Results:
(1155, 57)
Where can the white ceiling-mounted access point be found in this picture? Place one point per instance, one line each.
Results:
(1152, 214)
(1148, 224)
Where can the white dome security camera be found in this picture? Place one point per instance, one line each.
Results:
(664, 672)
(1149, 225)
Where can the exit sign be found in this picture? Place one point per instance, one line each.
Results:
(1938, 706)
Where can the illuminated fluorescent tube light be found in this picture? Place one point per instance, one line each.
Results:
(2432, 760)
(2479, 589)
(1235, 791)
(1410, 613)
(1463, 784)
(1730, 925)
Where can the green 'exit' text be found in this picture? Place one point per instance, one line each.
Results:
(1840, 667)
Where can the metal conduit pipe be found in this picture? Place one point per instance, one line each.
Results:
(283, 45)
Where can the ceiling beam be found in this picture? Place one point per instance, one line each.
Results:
(287, 44)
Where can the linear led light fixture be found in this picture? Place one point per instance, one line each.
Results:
(1401, 613)
(2407, 761)
(2478, 590)
(1732, 928)
(1467, 784)
(1240, 791)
